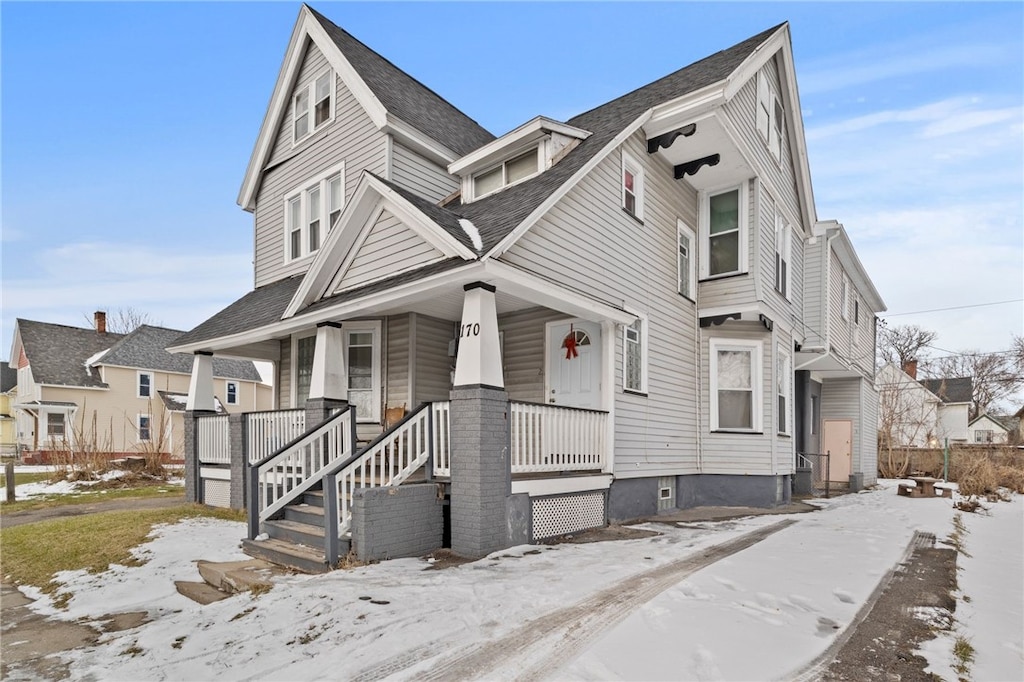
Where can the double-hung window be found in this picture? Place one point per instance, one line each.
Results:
(771, 119)
(723, 230)
(783, 393)
(687, 264)
(634, 360)
(144, 428)
(312, 106)
(310, 213)
(632, 186)
(55, 425)
(231, 391)
(735, 385)
(145, 386)
(783, 253)
(509, 172)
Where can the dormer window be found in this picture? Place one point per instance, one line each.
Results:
(508, 173)
(305, 118)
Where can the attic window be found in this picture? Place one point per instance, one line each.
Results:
(305, 118)
(508, 173)
(770, 116)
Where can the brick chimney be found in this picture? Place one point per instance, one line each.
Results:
(101, 322)
(910, 367)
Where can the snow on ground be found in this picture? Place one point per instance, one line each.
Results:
(781, 602)
(26, 491)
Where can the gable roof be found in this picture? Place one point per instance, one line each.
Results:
(144, 349)
(1005, 422)
(8, 377)
(951, 390)
(57, 352)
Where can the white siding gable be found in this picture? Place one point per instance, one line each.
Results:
(387, 248)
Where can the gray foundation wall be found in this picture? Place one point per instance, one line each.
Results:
(394, 522)
(635, 498)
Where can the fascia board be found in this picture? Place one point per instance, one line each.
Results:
(415, 219)
(75, 387)
(503, 246)
(755, 60)
(666, 116)
(530, 131)
(851, 263)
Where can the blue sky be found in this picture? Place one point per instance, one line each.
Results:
(126, 129)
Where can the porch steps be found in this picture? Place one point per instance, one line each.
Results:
(290, 555)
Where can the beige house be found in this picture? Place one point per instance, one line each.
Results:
(89, 390)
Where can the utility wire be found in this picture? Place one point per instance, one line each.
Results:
(958, 307)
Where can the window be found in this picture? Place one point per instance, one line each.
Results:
(815, 414)
(844, 297)
(305, 210)
(55, 425)
(782, 391)
(856, 320)
(231, 391)
(362, 361)
(144, 434)
(304, 348)
(771, 119)
(735, 385)
(145, 385)
(634, 361)
(321, 94)
(783, 252)
(687, 266)
(632, 186)
(983, 436)
(723, 226)
(510, 172)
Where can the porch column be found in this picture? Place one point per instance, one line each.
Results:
(200, 386)
(328, 380)
(480, 470)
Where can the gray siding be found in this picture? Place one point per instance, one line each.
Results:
(788, 310)
(420, 175)
(842, 399)
(396, 385)
(351, 137)
(523, 352)
(389, 248)
(868, 461)
(656, 434)
(433, 366)
(814, 290)
(284, 375)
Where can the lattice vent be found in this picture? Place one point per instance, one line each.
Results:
(567, 514)
(217, 493)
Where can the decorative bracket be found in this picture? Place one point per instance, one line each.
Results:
(665, 140)
(766, 321)
(691, 167)
(706, 322)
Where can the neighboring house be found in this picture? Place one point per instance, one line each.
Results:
(644, 293)
(92, 390)
(989, 428)
(922, 413)
(8, 393)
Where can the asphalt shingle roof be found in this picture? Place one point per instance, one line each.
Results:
(951, 390)
(57, 353)
(8, 377)
(407, 98)
(144, 349)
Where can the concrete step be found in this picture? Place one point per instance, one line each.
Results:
(305, 513)
(294, 531)
(296, 557)
(200, 592)
(238, 576)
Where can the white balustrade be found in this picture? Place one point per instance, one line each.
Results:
(268, 432)
(556, 438)
(213, 443)
(442, 438)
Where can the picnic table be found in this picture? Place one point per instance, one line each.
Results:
(922, 486)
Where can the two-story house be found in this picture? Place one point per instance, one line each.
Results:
(92, 391)
(633, 310)
(922, 413)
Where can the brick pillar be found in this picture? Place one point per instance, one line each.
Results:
(481, 471)
(319, 409)
(193, 485)
(239, 460)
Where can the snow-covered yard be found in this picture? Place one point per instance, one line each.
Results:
(762, 613)
(36, 489)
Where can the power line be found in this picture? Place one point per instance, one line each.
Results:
(958, 307)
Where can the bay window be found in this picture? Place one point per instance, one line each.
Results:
(723, 232)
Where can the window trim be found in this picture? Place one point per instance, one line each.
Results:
(644, 333)
(630, 163)
(771, 126)
(783, 373)
(743, 225)
(293, 351)
(783, 256)
(64, 426)
(362, 326)
(682, 229)
(310, 90)
(228, 383)
(756, 349)
(138, 427)
(138, 385)
(845, 295)
(321, 184)
(503, 165)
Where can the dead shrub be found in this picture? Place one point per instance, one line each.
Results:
(979, 477)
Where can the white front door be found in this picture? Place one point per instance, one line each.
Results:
(574, 364)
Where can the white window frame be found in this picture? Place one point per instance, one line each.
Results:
(227, 393)
(149, 427)
(309, 89)
(138, 385)
(770, 116)
(504, 171)
(293, 390)
(783, 256)
(321, 184)
(641, 328)
(630, 163)
(362, 327)
(784, 380)
(756, 369)
(690, 276)
(845, 296)
(64, 426)
(705, 229)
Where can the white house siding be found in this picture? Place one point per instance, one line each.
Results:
(735, 289)
(351, 138)
(587, 235)
(388, 249)
(284, 375)
(398, 339)
(868, 464)
(788, 310)
(433, 365)
(420, 175)
(523, 351)
(814, 292)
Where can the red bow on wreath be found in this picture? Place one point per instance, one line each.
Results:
(569, 344)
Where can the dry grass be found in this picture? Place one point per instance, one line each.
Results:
(34, 552)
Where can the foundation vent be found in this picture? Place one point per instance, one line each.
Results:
(217, 493)
(553, 516)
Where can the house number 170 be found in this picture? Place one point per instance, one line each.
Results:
(470, 330)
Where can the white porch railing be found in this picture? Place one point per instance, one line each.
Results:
(213, 443)
(282, 477)
(442, 438)
(557, 438)
(268, 432)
